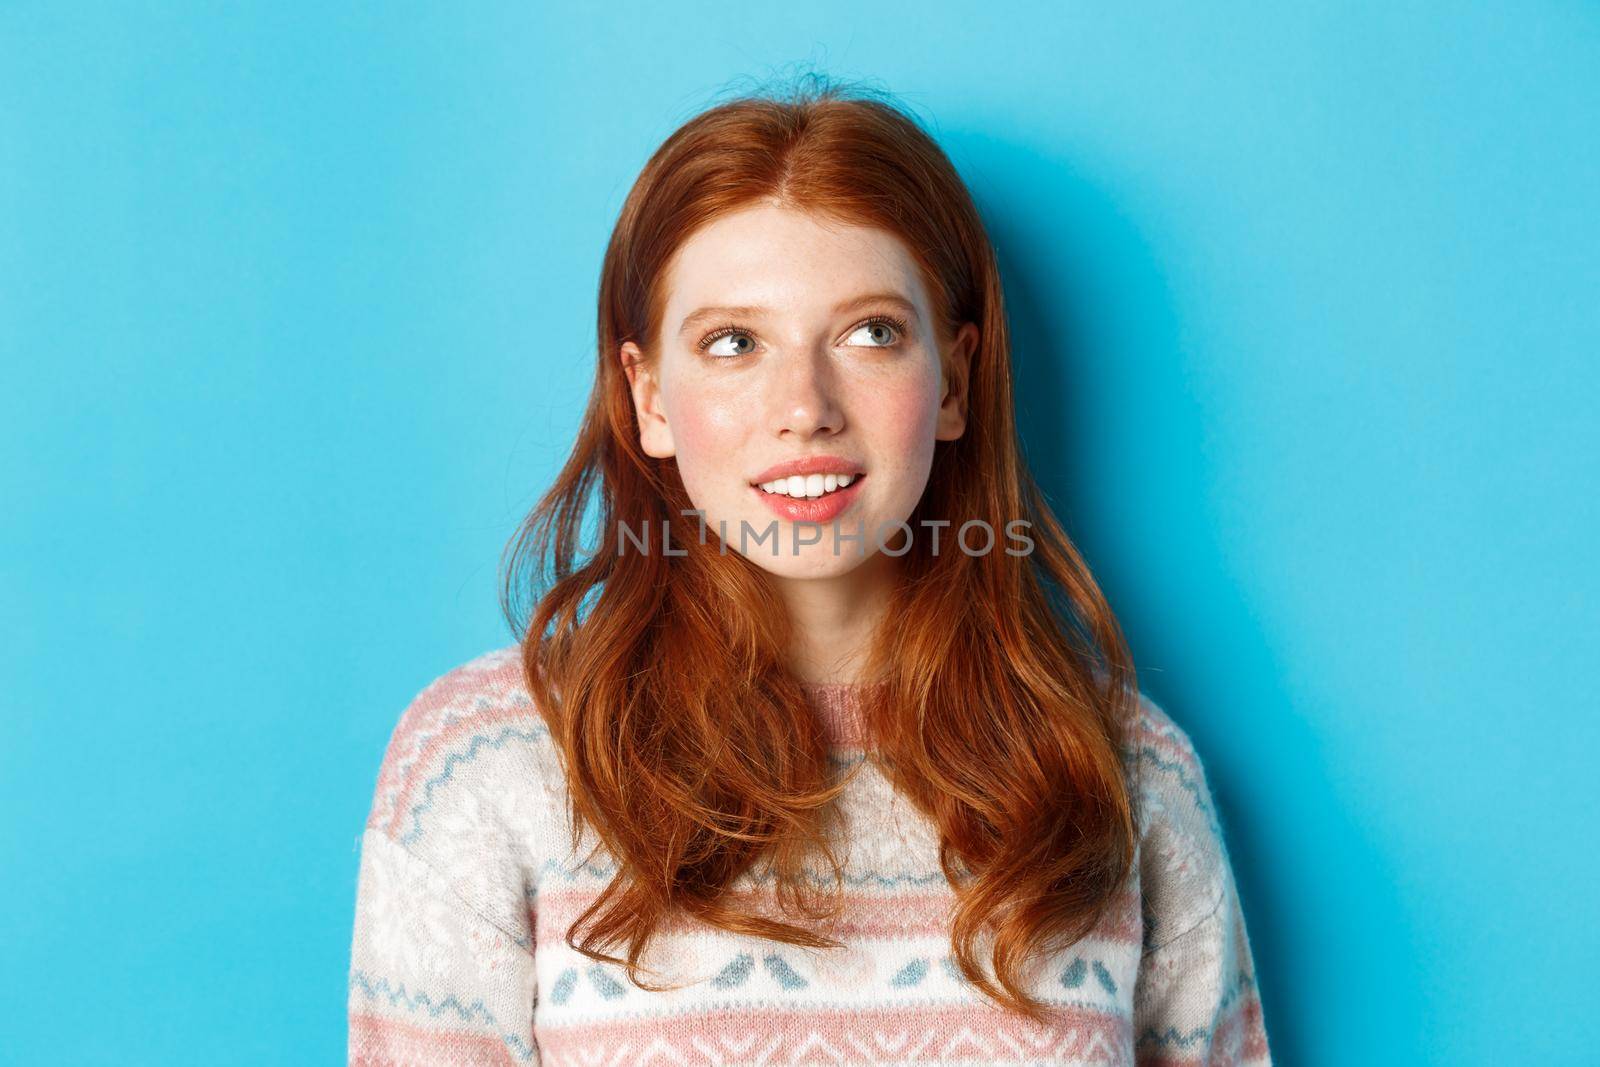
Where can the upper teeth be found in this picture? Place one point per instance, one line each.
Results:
(808, 484)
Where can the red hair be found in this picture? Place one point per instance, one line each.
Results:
(1003, 688)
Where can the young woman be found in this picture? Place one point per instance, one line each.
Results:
(828, 748)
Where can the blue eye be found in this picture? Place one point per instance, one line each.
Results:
(888, 330)
(725, 332)
(882, 331)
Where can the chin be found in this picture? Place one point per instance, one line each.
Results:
(812, 562)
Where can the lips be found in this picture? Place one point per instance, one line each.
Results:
(806, 465)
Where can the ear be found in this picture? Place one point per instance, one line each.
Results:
(655, 436)
(957, 364)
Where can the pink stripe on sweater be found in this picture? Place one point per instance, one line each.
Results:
(914, 1034)
(379, 1042)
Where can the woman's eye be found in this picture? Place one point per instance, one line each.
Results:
(877, 334)
(734, 343)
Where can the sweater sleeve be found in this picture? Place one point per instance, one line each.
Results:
(442, 950)
(432, 979)
(1195, 1001)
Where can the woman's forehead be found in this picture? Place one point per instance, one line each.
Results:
(780, 258)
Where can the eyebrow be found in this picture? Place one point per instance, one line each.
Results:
(699, 315)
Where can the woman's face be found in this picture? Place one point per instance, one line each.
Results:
(781, 341)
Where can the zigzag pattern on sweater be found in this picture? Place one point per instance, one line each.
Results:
(421, 1003)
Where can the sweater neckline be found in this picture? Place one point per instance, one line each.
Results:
(838, 707)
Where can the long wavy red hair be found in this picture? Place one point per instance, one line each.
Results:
(1002, 688)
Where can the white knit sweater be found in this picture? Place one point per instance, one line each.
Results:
(467, 888)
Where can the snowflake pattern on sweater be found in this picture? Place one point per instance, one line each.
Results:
(467, 887)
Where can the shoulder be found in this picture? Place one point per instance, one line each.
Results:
(1183, 859)
(468, 747)
(1166, 760)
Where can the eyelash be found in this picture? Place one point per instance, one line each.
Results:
(720, 332)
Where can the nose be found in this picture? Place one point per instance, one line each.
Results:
(804, 396)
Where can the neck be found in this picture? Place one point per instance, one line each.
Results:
(834, 620)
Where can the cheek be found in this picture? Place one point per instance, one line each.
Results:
(903, 421)
(706, 432)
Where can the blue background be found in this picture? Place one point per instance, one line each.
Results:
(296, 322)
